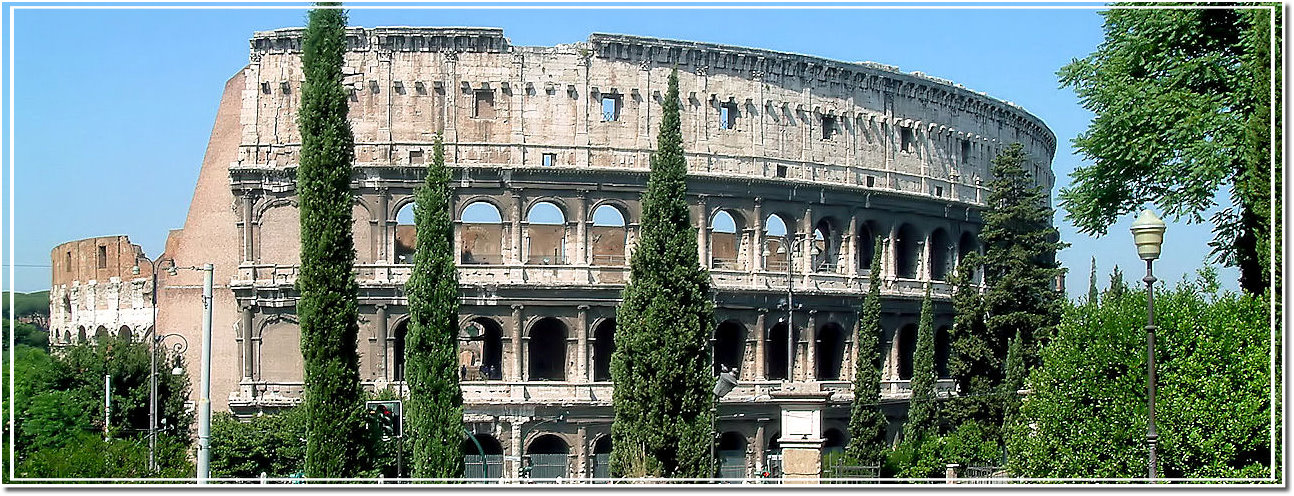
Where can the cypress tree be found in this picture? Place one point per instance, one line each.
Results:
(866, 419)
(1093, 294)
(661, 364)
(922, 409)
(976, 363)
(328, 305)
(1020, 266)
(1015, 378)
(435, 413)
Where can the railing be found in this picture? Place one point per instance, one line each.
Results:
(834, 466)
(549, 466)
(984, 475)
(483, 466)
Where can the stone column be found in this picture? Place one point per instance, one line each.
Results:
(581, 229)
(760, 447)
(385, 364)
(248, 254)
(923, 266)
(806, 251)
(761, 338)
(888, 259)
(703, 232)
(581, 453)
(851, 242)
(381, 236)
(801, 439)
(517, 257)
(248, 357)
(894, 344)
(517, 329)
(757, 239)
(810, 347)
(582, 345)
(516, 450)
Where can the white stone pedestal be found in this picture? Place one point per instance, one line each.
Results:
(801, 439)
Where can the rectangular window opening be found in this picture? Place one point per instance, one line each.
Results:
(828, 126)
(550, 159)
(871, 181)
(103, 257)
(781, 171)
(728, 116)
(416, 157)
(966, 150)
(611, 107)
(484, 104)
(67, 266)
(939, 191)
(907, 139)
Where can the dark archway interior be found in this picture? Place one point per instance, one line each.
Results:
(941, 251)
(603, 445)
(825, 245)
(773, 445)
(834, 439)
(80, 334)
(866, 247)
(548, 444)
(907, 252)
(123, 333)
(548, 350)
(776, 350)
(731, 441)
(831, 351)
(907, 347)
(101, 334)
(942, 349)
(488, 442)
(491, 348)
(604, 345)
(729, 341)
(397, 351)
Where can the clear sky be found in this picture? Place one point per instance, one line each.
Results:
(112, 108)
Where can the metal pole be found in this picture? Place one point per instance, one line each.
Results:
(1152, 437)
(107, 403)
(152, 379)
(790, 307)
(204, 397)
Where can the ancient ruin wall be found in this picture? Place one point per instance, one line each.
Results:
(95, 291)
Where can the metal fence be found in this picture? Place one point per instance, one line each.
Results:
(732, 464)
(483, 467)
(834, 467)
(984, 475)
(601, 465)
(549, 466)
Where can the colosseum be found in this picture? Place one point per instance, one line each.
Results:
(795, 164)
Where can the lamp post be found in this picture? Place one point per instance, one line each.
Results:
(723, 385)
(1148, 234)
(789, 248)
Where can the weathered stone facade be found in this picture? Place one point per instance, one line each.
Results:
(549, 148)
(95, 291)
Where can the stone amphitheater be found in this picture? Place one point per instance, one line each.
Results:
(795, 164)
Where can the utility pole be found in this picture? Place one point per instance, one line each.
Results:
(204, 396)
(107, 403)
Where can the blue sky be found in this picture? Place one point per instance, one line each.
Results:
(112, 108)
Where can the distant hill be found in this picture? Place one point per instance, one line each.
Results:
(27, 304)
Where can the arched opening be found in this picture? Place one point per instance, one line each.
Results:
(725, 241)
(907, 252)
(482, 234)
(67, 336)
(967, 245)
(776, 364)
(773, 455)
(907, 348)
(602, 457)
(481, 351)
(397, 350)
(608, 236)
(124, 333)
(835, 442)
(826, 247)
(942, 349)
(866, 246)
(406, 235)
(729, 345)
(549, 458)
(941, 255)
(604, 344)
(732, 456)
(80, 334)
(831, 351)
(101, 334)
(776, 236)
(487, 465)
(546, 234)
(547, 351)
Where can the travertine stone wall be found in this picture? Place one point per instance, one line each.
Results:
(96, 292)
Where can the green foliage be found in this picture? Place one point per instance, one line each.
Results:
(661, 363)
(976, 361)
(1086, 415)
(1015, 379)
(923, 416)
(1019, 258)
(58, 405)
(25, 334)
(328, 305)
(434, 412)
(1180, 97)
(1093, 293)
(26, 304)
(270, 444)
(916, 457)
(867, 421)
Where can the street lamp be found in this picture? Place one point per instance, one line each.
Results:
(1148, 234)
(788, 247)
(204, 401)
(723, 385)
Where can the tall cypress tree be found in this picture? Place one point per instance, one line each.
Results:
(1020, 248)
(435, 413)
(1015, 378)
(1093, 294)
(922, 409)
(866, 419)
(328, 306)
(661, 364)
(976, 361)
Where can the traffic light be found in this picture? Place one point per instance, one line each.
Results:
(386, 417)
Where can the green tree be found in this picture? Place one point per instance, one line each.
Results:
(867, 421)
(1093, 293)
(661, 364)
(435, 408)
(1020, 268)
(1181, 99)
(1015, 379)
(328, 304)
(923, 416)
(269, 444)
(976, 360)
(1086, 413)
